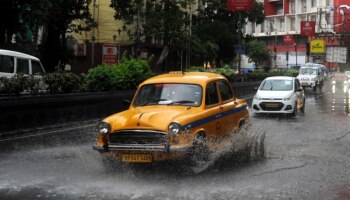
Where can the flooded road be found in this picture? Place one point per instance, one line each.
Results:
(307, 157)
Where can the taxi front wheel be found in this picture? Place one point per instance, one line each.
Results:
(199, 155)
(110, 163)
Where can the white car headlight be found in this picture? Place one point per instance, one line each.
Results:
(288, 98)
(174, 128)
(333, 82)
(345, 82)
(257, 98)
(104, 128)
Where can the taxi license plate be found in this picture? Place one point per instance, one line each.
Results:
(141, 158)
(272, 105)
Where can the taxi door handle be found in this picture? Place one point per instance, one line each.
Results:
(221, 108)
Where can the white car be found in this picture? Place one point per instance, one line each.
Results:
(279, 94)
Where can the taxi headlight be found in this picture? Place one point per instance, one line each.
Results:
(104, 128)
(174, 128)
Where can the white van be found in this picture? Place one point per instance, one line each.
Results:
(311, 75)
(12, 62)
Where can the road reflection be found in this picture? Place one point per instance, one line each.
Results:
(340, 99)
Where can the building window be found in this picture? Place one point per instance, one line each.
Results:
(313, 18)
(253, 27)
(313, 3)
(303, 6)
(292, 24)
(282, 25)
(279, 9)
(262, 27)
(292, 7)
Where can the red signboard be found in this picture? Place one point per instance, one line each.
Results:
(110, 54)
(288, 39)
(239, 5)
(307, 28)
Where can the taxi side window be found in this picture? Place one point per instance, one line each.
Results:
(225, 90)
(211, 95)
(22, 66)
(6, 64)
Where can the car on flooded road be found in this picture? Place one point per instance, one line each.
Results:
(279, 94)
(174, 116)
(339, 78)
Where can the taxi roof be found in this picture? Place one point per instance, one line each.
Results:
(184, 77)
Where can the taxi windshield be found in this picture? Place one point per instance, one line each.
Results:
(169, 94)
(277, 85)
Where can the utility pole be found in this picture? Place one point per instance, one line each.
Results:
(239, 41)
(138, 32)
(93, 35)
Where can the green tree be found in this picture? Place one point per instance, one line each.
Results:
(257, 52)
(223, 28)
(164, 20)
(55, 17)
(58, 23)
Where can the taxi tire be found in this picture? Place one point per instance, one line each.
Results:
(257, 147)
(110, 164)
(199, 155)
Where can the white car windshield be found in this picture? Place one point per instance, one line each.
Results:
(307, 71)
(169, 94)
(277, 85)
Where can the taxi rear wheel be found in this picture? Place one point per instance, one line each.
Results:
(257, 147)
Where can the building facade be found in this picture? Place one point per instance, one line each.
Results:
(282, 31)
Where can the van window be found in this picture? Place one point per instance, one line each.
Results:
(7, 64)
(22, 66)
(36, 68)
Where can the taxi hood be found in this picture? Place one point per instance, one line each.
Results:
(149, 117)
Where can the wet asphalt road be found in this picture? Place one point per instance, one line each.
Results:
(307, 158)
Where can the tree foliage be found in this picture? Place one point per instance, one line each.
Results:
(257, 52)
(54, 17)
(222, 27)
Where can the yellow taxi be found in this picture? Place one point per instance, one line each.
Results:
(179, 115)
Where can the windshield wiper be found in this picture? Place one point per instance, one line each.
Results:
(153, 102)
(180, 102)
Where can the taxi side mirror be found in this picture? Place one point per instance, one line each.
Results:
(126, 102)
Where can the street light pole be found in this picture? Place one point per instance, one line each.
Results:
(275, 49)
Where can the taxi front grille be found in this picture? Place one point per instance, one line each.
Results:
(271, 106)
(133, 137)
